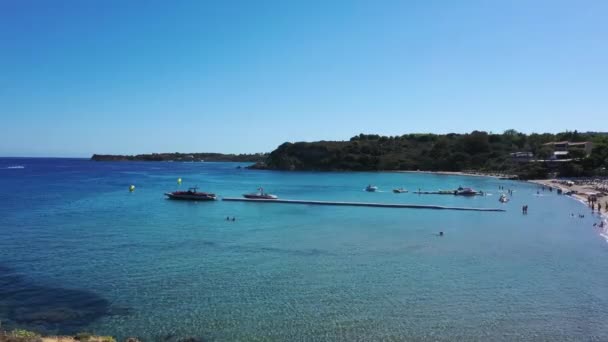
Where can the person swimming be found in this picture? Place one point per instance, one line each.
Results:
(440, 233)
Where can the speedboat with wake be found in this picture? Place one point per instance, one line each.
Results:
(191, 195)
(371, 188)
(260, 195)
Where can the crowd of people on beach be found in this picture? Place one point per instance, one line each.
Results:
(578, 188)
(593, 202)
(599, 184)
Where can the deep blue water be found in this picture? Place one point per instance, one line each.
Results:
(79, 252)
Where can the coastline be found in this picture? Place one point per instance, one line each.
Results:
(462, 173)
(580, 197)
(20, 335)
(580, 191)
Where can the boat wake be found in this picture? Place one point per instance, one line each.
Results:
(14, 167)
(604, 229)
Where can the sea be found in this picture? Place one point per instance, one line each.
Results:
(79, 252)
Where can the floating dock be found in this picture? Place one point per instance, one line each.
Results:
(358, 204)
(445, 192)
(434, 193)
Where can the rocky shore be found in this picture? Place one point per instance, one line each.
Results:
(19, 335)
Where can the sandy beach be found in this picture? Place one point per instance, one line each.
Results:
(464, 173)
(581, 192)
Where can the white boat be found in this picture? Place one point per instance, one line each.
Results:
(260, 195)
(371, 188)
(399, 190)
(503, 198)
(465, 192)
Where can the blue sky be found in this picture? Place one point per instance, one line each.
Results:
(81, 77)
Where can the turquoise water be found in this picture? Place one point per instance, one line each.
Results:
(78, 252)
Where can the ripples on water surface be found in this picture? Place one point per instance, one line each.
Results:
(79, 252)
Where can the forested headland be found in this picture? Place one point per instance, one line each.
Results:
(478, 150)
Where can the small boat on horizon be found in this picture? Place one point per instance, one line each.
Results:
(191, 195)
(371, 188)
(260, 195)
(399, 191)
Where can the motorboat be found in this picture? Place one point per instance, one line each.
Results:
(371, 188)
(503, 198)
(465, 192)
(191, 195)
(399, 190)
(260, 195)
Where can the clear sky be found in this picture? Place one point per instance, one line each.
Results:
(113, 76)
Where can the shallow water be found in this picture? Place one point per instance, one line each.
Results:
(79, 252)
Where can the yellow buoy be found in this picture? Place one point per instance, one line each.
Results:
(132, 188)
(179, 181)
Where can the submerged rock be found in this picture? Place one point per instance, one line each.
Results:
(191, 339)
(132, 339)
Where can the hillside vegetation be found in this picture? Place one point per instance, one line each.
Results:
(478, 150)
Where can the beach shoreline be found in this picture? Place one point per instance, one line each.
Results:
(462, 173)
(579, 194)
(580, 197)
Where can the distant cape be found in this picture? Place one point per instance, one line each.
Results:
(183, 157)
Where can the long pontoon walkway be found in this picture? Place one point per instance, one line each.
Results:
(358, 204)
